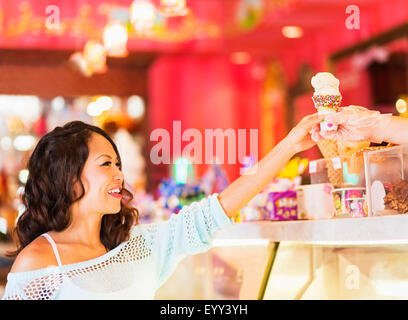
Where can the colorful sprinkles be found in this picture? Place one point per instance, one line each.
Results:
(327, 101)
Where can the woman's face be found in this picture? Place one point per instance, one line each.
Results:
(101, 177)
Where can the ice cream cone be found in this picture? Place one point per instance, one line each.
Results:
(329, 150)
(326, 97)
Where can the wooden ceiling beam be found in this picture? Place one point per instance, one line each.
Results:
(52, 57)
(46, 73)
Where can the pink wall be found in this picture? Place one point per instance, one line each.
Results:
(203, 92)
(315, 47)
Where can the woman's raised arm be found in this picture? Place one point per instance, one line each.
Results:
(243, 189)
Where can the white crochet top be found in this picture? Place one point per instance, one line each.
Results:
(136, 268)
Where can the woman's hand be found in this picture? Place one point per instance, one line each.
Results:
(356, 123)
(299, 138)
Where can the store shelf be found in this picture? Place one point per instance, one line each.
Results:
(392, 228)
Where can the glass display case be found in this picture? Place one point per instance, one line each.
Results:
(339, 271)
(386, 182)
(227, 271)
(349, 258)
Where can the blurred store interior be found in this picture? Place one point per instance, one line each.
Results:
(131, 67)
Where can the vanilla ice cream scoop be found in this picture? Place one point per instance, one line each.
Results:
(325, 83)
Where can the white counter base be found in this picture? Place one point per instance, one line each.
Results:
(385, 229)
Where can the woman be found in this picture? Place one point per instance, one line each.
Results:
(78, 238)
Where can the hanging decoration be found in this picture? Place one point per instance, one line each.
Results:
(95, 55)
(115, 37)
(79, 63)
(140, 20)
(142, 16)
(173, 8)
(91, 60)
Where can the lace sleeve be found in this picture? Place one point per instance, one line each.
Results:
(39, 288)
(190, 231)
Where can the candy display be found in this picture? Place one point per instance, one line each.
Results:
(214, 180)
(353, 151)
(350, 202)
(175, 195)
(358, 207)
(294, 168)
(286, 199)
(278, 200)
(315, 201)
(251, 213)
(281, 206)
(386, 180)
(396, 197)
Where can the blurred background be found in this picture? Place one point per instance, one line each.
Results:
(131, 67)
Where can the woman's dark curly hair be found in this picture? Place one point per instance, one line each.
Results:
(54, 167)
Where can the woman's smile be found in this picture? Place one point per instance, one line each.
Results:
(116, 192)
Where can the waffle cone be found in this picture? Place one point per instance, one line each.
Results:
(330, 150)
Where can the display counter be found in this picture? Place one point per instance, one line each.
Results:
(380, 228)
(348, 258)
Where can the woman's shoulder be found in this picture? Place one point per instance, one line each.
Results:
(36, 255)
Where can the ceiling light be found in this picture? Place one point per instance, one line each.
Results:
(115, 39)
(142, 15)
(173, 7)
(95, 55)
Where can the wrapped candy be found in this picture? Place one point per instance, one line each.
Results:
(281, 206)
(176, 195)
